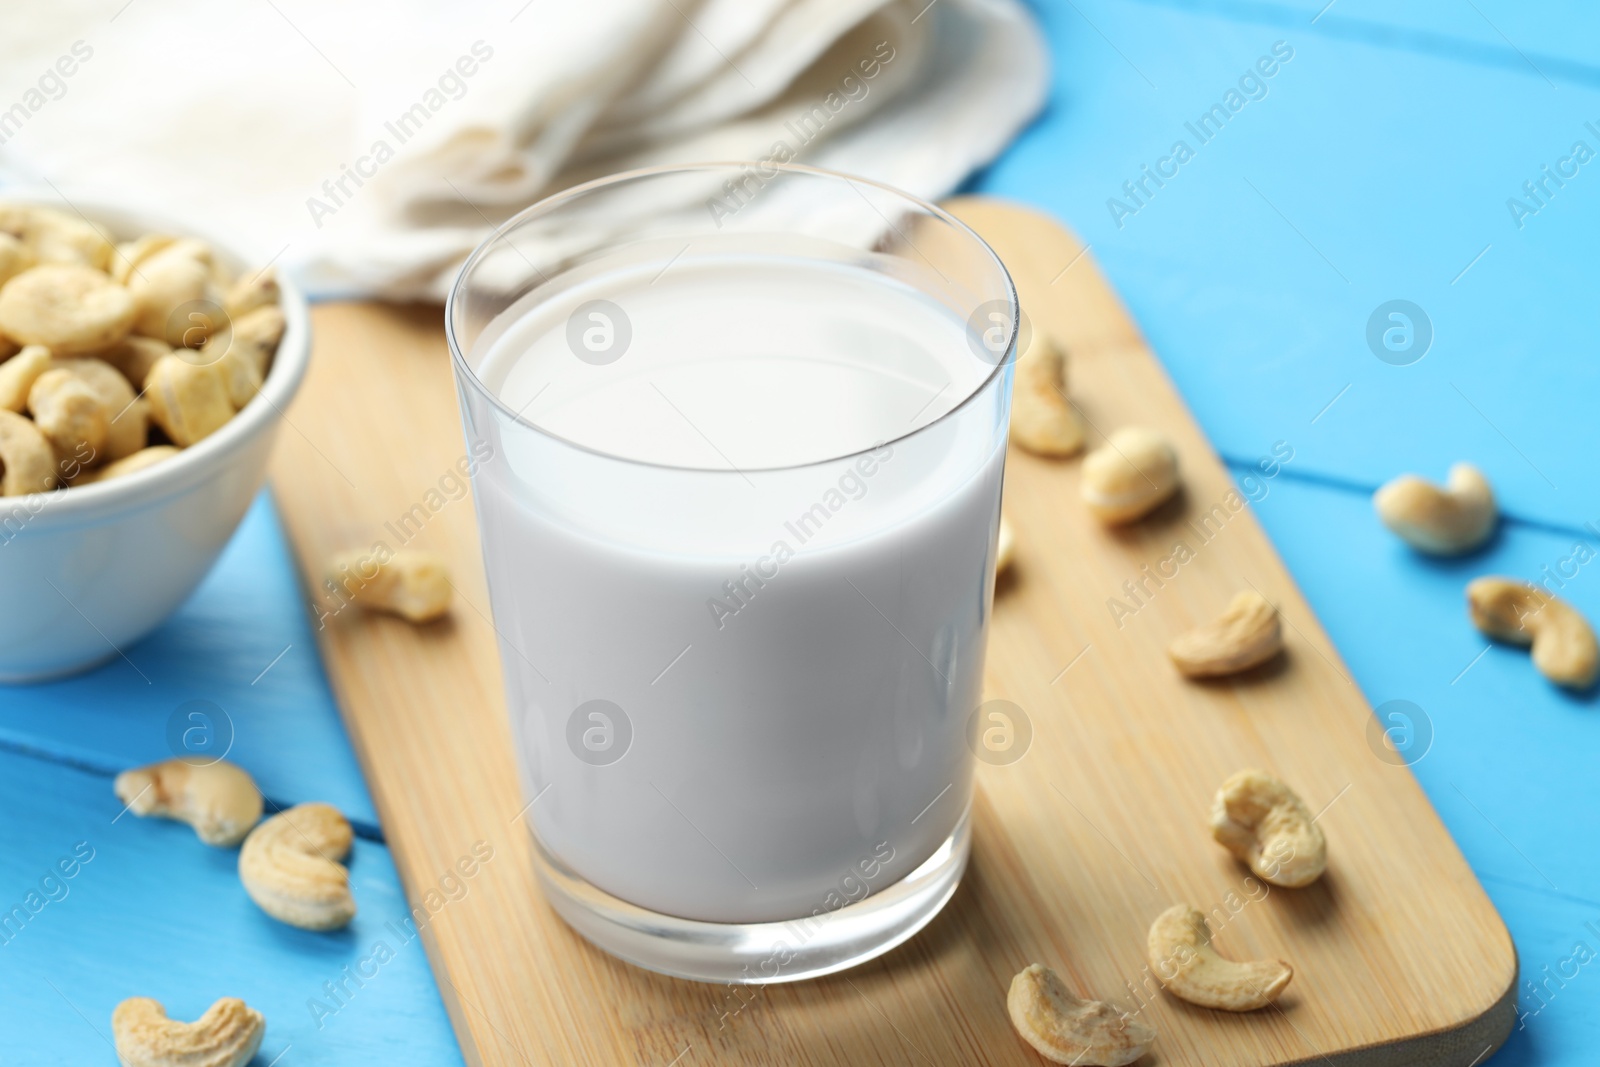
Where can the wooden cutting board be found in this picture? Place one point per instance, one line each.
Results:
(1399, 957)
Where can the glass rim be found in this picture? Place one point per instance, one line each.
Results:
(556, 200)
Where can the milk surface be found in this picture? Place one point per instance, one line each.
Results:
(742, 615)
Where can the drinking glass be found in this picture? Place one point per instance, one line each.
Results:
(740, 432)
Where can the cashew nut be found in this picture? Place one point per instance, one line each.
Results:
(162, 283)
(227, 1035)
(1263, 823)
(253, 337)
(290, 867)
(1134, 472)
(1564, 648)
(145, 457)
(133, 356)
(1444, 522)
(55, 236)
(126, 415)
(1180, 954)
(239, 377)
(68, 308)
(193, 248)
(15, 257)
(1042, 420)
(1064, 1029)
(411, 583)
(1246, 634)
(27, 464)
(190, 401)
(70, 414)
(18, 374)
(248, 294)
(218, 799)
(1005, 547)
(126, 258)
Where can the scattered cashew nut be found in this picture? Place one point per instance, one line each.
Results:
(1180, 953)
(1064, 1029)
(1564, 647)
(227, 1035)
(1005, 547)
(1265, 824)
(18, 374)
(69, 308)
(1134, 472)
(1042, 420)
(1443, 522)
(218, 799)
(290, 867)
(1247, 634)
(411, 583)
(27, 463)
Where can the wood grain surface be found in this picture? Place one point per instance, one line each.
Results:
(1399, 957)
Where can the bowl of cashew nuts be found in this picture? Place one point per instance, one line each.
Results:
(144, 368)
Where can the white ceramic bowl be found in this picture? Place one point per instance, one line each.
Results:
(85, 572)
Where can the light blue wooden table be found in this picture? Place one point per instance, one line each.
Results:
(1375, 164)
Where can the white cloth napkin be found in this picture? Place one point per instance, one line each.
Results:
(368, 146)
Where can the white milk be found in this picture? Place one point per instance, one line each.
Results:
(794, 650)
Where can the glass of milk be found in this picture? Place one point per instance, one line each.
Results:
(741, 432)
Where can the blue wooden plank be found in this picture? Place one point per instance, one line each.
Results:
(1558, 939)
(149, 911)
(1367, 172)
(236, 667)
